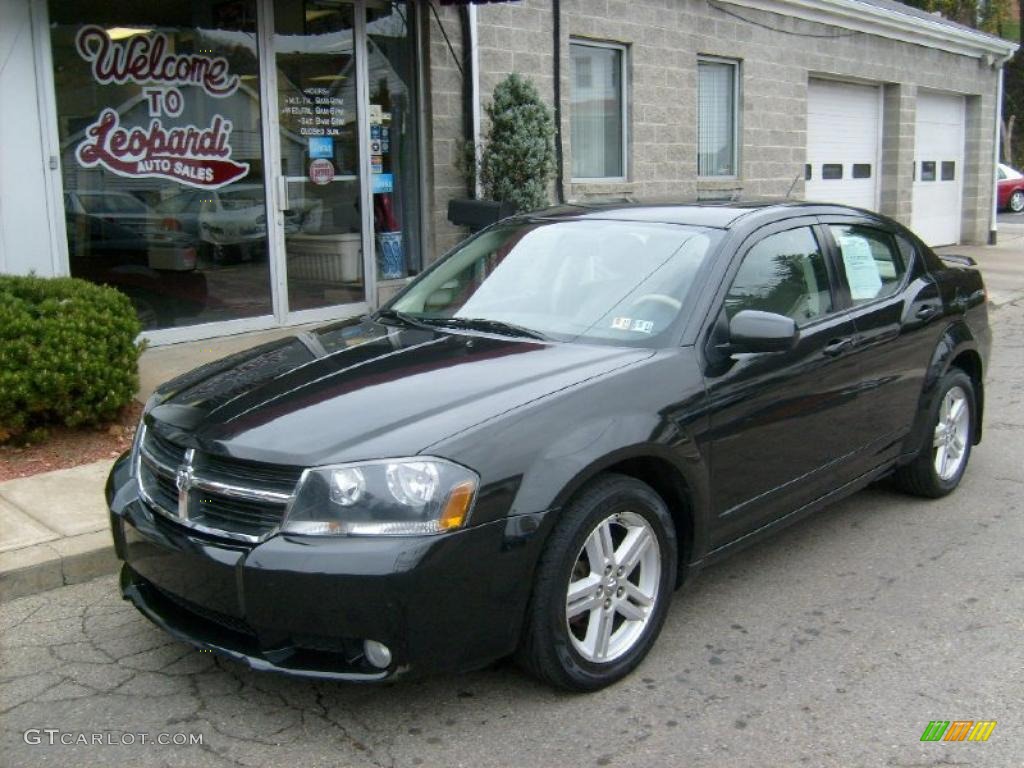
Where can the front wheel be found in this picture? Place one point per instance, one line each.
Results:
(603, 586)
(1017, 201)
(939, 467)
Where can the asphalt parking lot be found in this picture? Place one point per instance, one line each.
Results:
(833, 644)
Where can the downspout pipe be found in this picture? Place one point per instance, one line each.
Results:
(468, 76)
(556, 31)
(1000, 65)
(473, 74)
(993, 229)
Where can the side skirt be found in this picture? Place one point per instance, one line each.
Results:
(778, 524)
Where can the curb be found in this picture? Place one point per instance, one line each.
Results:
(57, 563)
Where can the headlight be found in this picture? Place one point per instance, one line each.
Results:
(133, 460)
(140, 435)
(391, 497)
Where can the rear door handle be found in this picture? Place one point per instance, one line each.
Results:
(837, 347)
(927, 312)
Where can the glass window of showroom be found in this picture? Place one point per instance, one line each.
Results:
(215, 180)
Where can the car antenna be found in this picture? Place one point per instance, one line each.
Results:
(796, 180)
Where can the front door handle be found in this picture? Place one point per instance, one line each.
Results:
(837, 347)
(927, 312)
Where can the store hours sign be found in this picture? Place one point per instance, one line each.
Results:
(195, 155)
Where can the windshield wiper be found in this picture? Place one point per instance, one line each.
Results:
(402, 317)
(488, 326)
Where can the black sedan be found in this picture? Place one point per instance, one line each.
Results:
(531, 447)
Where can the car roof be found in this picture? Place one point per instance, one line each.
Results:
(706, 213)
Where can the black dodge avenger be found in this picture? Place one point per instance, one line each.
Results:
(544, 435)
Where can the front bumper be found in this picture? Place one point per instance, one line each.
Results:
(304, 605)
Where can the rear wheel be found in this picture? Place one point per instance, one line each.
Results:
(1017, 201)
(602, 588)
(940, 465)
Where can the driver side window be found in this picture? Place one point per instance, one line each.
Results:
(786, 274)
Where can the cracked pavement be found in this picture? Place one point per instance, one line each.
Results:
(832, 644)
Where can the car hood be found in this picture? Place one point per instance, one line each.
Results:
(361, 390)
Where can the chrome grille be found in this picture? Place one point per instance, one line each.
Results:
(233, 498)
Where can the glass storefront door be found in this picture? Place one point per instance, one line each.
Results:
(349, 186)
(321, 181)
(237, 164)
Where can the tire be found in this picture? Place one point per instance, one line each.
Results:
(1016, 203)
(949, 442)
(568, 653)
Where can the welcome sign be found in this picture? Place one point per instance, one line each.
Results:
(197, 156)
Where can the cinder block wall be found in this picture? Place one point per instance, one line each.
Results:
(777, 54)
(444, 85)
(899, 112)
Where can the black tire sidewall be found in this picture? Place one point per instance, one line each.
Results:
(621, 496)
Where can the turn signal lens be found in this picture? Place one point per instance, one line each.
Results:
(457, 507)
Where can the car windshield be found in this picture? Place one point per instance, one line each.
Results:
(607, 281)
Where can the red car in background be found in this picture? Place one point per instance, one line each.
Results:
(1011, 189)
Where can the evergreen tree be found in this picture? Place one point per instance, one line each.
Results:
(518, 158)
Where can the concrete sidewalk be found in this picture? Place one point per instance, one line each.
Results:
(54, 530)
(53, 526)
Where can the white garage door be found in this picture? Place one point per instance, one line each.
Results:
(843, 130)
(938, 168)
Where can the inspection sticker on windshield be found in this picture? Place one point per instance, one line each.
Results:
(629, 324)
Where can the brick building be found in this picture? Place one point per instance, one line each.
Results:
(241, 164)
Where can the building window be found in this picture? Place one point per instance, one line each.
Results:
(177, 224)
(717, 90)
(598, 113)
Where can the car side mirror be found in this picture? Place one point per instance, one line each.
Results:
(754, 331)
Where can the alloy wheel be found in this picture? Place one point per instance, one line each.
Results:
(613, 587)
(952, 433)
(1017, 201)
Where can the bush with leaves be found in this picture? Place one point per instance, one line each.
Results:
(67, 354)
(518, 158)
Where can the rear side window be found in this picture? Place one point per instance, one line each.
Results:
(786, 274)
(873, 265)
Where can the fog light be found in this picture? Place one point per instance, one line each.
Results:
(377, 654)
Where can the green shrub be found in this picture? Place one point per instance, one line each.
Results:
(518, 158)
(67, 353)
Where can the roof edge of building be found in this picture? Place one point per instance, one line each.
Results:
(892, 23)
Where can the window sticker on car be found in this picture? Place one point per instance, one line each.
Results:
(629, 324)
(861, 268)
